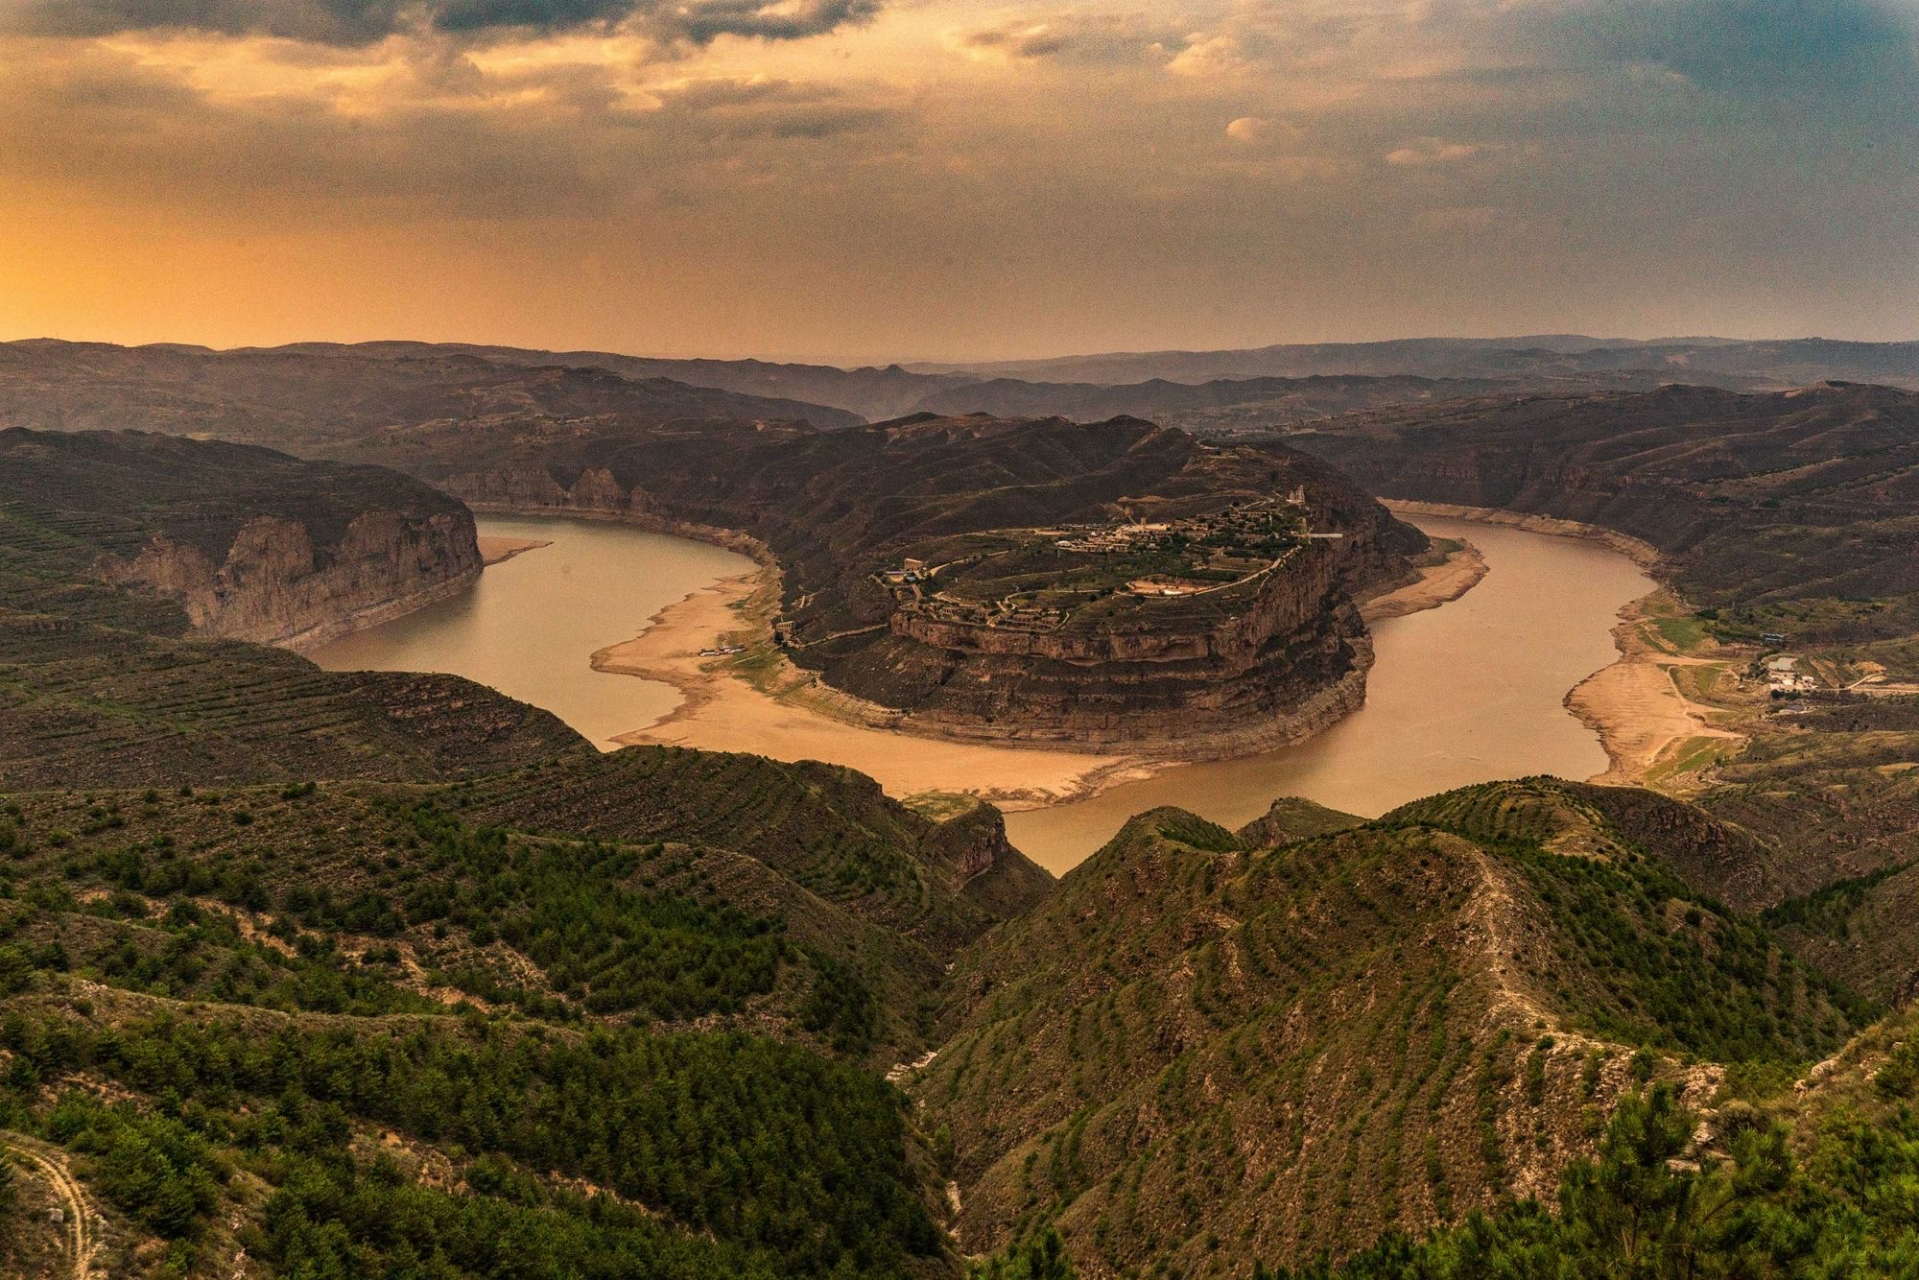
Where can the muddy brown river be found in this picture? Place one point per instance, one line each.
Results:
(1467, 692)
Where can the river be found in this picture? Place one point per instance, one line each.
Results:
(1467, 692)
(530, 624)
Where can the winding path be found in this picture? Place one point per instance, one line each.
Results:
(81, 1242)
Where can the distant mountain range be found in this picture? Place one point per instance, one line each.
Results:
(1790, 362)
(283, 395)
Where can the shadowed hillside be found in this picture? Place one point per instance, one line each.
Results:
(1110, 584)
(345, 402)
(1791, 511)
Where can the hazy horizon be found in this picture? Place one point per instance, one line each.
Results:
(910, 361)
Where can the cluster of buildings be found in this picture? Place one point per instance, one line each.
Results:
(1783, 677)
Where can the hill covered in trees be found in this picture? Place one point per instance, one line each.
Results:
(316, 973)
(1786, 512)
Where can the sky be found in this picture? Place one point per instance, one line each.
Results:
(871, 180)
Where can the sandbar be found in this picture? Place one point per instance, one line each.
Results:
(721, 711)
(1437, 584)
(500, 550)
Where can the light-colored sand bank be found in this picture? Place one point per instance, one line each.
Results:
(722, 711)
(1437, 584)
(500, 550)
(1641, 711)
(1650, 727)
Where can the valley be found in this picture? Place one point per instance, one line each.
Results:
(938, 640)
(1471, 692)
(310, 968)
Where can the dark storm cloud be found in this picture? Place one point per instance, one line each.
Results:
(323, 21)
(707, 21)
(357, 22)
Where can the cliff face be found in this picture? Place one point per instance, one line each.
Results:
(248, 544)
(1271, 658)
(272, 587)
(1288, 664)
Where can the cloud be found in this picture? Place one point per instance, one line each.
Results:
(432, 139)
(1072, 36)
(1211, 55)
(1438, 151)
(763, 107)
(360, 22)
(703, 21)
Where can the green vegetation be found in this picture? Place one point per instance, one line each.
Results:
(794, 1160)
(1673, 971)
(1041, 1258)
(385, 976)
(1195, 1059)
(1768, 1201)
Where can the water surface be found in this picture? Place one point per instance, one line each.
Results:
(1468, 692)
(531, 624)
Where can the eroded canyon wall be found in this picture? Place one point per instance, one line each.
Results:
(274, 587)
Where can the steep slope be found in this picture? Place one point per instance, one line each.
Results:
(413, 887)
(1717, 859)
(571, 1014)
(248, 543)
(1833, 783)
(1112, 584)
(828, 829)
(1789, 512)
(94, 706)
(1806, 831)
(1291, 1050)
(1807, 1183)
(1292, 818)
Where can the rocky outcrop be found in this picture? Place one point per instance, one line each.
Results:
(224, 540)
(1272, 671)
(274, 587)
(1260, 663)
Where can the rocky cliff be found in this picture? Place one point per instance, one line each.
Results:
(1286, 664)
(992, 503)
(247, 543)
(274, 587)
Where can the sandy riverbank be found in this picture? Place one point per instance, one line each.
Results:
(722, 712)
(1645, 721)
(500, 550)
(1437, 584)
(784, 713)
(1642, 553)
(1644, 718)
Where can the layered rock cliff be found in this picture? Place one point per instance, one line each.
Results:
(993, 503)
(1286, 664)
(275, 587)
(246, 543)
